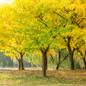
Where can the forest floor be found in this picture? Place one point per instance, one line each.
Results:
(34, 78)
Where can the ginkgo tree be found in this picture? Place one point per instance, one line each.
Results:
(42, 32)
(14, 40)
(73, 20)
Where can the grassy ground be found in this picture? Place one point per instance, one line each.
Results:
(34, 78)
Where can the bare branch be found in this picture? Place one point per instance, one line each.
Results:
(60, 15)
(65, 58)
(17, 58)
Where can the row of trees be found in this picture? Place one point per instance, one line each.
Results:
(41, 25)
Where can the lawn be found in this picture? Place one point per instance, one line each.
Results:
(34, 78)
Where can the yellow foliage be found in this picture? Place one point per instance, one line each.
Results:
(51, 51)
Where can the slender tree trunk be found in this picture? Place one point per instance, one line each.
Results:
(58, 64)
(84, 59)
(21, 66)
(22, 63)
(84, 62)
(57, 67)
(44, 64)
(72, 61)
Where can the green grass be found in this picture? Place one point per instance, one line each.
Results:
(34, 78)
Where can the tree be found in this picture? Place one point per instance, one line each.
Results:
(14, 40)
(72, 15)
(58, 57)
(41, 31)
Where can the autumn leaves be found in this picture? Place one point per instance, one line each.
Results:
(42, 25)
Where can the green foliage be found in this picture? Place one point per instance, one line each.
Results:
(28, 26)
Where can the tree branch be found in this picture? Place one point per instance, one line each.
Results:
(81, 20)
(60, 15)
(65, 58)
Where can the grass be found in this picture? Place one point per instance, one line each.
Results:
(34, 78)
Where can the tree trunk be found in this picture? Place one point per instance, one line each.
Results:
(44, 59)
(21, 66)
(58, 64)
(57, 67)
(71, 53)
(44, 64)
(72, 61)
(84, 62)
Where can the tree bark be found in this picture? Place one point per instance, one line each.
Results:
(84, 62)
(71, 53)
(44, 64)
(72, 61)
(57, 67)
(21, 65)
(44, 59)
